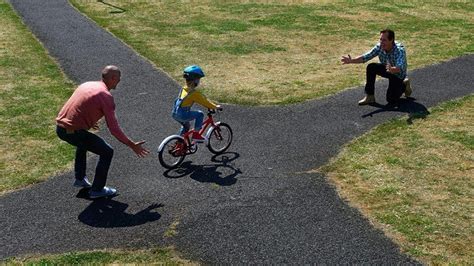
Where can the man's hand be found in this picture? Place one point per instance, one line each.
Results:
(346, 59)
(392, 69)
(139, 150)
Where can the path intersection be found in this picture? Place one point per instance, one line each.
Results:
(255, 204)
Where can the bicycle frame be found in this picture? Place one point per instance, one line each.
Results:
(208, 123)
(174, 148)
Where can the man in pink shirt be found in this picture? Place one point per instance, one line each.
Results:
(90, 102)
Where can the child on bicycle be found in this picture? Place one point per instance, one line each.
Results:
(187, 97)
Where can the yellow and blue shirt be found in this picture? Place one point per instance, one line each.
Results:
(195, 97)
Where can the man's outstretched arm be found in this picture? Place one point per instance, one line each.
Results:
(361, 58)
(349, 60)
(117, 132)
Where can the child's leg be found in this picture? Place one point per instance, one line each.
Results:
(184, 127)
(199, 116)
(183, 117)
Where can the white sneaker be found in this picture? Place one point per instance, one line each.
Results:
(105, 192)
(84, 183)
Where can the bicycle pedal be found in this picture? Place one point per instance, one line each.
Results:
(193, 148)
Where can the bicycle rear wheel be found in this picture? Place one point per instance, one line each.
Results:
(219, 138)
(172, 151)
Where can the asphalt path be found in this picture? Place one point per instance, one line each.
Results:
(255, 204)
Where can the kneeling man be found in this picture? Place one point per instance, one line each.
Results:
(393, 66)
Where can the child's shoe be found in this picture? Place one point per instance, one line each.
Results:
(197, 137)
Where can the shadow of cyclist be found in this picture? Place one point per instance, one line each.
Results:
(221, 172)
(414, 109)
(109, 213)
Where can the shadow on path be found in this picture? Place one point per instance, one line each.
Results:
(108, 213)
(221, 173)
(291, 220)
(414, 109)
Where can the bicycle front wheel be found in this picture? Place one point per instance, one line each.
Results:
(172, 151)
(219, 138)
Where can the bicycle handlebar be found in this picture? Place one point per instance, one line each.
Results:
(213, 111)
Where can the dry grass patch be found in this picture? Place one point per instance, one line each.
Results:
(155, 256)
(416, 182)
(32, 89)
(283, 51)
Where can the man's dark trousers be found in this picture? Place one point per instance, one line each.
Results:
(395, 85)
(87, 141)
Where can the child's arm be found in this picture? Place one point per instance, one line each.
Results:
(202, 100)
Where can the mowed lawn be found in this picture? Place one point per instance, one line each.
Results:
(416, 181)
(416, 185)
(274, 52)
(32, 90)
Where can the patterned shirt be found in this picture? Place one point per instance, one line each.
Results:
(396, 57)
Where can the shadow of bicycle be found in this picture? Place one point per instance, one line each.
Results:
(414, 109)
(221, 172)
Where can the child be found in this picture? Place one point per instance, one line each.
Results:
(187, 97)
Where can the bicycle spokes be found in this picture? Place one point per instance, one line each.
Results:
(217, 134)
(220, 138)
(172, 152)
(173, 149)
(178, 149)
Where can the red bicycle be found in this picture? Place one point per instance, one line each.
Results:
(174, 148)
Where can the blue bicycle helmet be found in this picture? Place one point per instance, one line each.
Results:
(193, 72)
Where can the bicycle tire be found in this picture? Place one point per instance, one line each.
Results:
(219, 138)
(172, 151)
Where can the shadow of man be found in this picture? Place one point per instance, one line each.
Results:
(414, 109)
(221, 172)
(108, 213)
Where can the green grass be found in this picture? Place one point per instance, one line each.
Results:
(281, 52)
(163, 256)
(32, 89)
(463, 137)
(415, 181)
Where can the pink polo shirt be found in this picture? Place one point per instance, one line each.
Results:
(89, 103)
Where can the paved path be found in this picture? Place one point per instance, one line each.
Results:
(251, 205)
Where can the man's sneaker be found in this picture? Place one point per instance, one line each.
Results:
(197, 137)
(408, 89)
(368, 99)
(84, 183)
(105, 192)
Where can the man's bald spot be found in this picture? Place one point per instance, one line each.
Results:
(110, 71)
